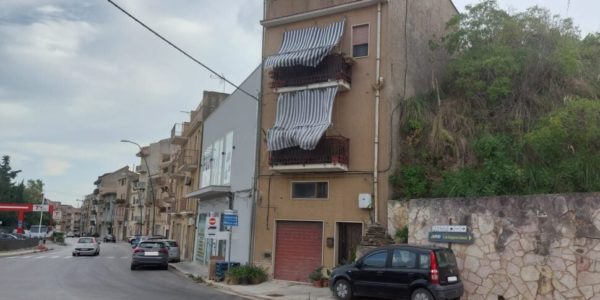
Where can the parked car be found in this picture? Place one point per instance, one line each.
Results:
(133, 237)
(109, 238)
(136, 241)
(150, 253)
(10, 236)
(400, 271)
(70, 234)
(87, 246)
(173, 247)
(40, 232)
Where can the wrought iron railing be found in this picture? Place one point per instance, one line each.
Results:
(334, 67)
(329, 150)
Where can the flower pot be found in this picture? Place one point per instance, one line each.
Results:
(317, 283)
(325, 282)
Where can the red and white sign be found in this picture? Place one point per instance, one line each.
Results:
(40, 207)
(212, 226)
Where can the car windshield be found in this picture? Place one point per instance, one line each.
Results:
(85, 241)
(172, 243)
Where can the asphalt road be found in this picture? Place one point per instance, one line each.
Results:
(58, 275)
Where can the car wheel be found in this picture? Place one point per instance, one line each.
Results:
(165, 267)
(132, 267)
(421, 294)
(342, 289)
(74, 254)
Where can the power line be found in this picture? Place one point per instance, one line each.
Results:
(182, 51)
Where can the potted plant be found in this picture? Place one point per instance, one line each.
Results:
(326, 273)
(316, 277)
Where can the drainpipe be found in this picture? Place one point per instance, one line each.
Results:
(378, 85)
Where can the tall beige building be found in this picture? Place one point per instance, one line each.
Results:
(183, 173)
(334, 75)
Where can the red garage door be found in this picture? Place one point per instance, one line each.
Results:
(298, 248)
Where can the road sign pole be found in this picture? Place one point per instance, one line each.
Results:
(41, 214)
(229, 251)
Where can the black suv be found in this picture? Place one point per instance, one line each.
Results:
(400, 271)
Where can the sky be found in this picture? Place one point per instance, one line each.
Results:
(76, 77)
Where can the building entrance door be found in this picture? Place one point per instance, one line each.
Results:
(349, 235)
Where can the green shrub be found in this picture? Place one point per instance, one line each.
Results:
(402, 235)
(247, 274)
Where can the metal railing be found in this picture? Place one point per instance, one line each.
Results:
(329, 150)
(333, 67)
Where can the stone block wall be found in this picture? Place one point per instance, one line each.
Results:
(526, 247)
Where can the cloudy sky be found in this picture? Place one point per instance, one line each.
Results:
(76, 77)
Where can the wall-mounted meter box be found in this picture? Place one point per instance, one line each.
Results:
(365, 201)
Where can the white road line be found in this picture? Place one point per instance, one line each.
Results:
(110, 257)
(12, 256)
(39, 257)
(67, 257)
(55, 256)
(26, 256)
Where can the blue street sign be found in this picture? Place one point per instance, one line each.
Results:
(230, 220)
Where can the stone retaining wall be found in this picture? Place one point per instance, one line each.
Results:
(526, 247)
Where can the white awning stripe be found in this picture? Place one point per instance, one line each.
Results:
(302, 119)
(306, 46)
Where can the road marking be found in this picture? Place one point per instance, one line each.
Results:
(110, 257)
(67, 257)
(12, 256)
(56, 256)
(43, 256)
(26, 256)
(124, 257)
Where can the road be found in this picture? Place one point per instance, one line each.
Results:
(57, 275)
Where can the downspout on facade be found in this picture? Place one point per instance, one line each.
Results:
(377, 86)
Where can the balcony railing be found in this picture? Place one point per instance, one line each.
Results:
(330, 155)
(334, 68)
(177, 137)
(187, 160)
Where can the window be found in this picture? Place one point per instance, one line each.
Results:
(310, 189)
(360, 40)
(424, 261)
(375, 260)
(404, 259)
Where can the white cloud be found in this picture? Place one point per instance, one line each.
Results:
(50, 9)
(55, 167)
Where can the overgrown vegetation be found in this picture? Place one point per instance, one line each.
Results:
(518, 111)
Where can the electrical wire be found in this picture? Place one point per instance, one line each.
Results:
(182, 51)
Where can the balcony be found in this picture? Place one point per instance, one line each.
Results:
(96, 191)
(330, 155)
(187, 160)
(140, 169)
(177, 137)
(334, 70)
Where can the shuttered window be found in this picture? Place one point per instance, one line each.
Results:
(360, 40)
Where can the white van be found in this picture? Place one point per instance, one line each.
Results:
(37, 231)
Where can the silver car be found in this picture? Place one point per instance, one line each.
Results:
(174, 255)
(150, 253)
(87, 246)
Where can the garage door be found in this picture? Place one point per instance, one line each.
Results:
(298, 248)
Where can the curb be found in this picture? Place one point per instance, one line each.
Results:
(25, 252)
(210, 283)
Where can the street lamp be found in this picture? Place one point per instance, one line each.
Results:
(149, 180)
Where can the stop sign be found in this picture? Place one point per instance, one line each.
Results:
(212, 221)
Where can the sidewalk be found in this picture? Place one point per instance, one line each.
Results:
(49, 245)
(273, 289)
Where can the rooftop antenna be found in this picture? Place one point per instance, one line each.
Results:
(221, 80)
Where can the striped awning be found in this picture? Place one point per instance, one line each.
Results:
(302, 118)
(306, 46)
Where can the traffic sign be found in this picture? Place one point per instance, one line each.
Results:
(449, 228)
(230, 218)
(212, 221)
(40, 207)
